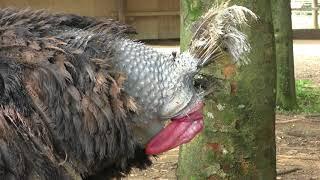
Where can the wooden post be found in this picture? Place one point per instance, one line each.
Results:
(315, 14)
(121, 11)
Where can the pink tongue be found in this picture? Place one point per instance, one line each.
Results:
(179, 131)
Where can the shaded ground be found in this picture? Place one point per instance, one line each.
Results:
(297, 136)
(163, 168)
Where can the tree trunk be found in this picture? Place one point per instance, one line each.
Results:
(286, 90)
(238, 141)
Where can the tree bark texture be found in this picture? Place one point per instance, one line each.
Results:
(238, 141)
(286, 90)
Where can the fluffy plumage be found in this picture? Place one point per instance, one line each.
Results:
(217, 33)
(63, 113)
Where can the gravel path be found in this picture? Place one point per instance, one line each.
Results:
(307, 60)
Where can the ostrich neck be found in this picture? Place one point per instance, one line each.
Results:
(151, 78)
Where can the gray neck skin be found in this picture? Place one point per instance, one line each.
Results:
(161, 85)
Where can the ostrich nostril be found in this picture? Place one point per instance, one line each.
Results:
(174, 54)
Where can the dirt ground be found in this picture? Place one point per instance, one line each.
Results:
(297, 136)
(298, 147)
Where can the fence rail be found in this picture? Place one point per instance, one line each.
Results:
(308, 33)
(313, 8)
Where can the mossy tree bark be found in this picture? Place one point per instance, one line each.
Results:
(286, 90)
(238, 141)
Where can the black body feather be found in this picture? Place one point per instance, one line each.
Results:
(63, 114)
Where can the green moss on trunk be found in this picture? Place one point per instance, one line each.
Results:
(286, 92)
(238, 141)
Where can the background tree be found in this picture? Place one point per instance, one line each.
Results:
(238, 140)
(286, 90)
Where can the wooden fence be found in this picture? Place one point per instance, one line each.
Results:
(309, 33)
(153, 19)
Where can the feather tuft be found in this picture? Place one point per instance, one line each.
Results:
(218, 32)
